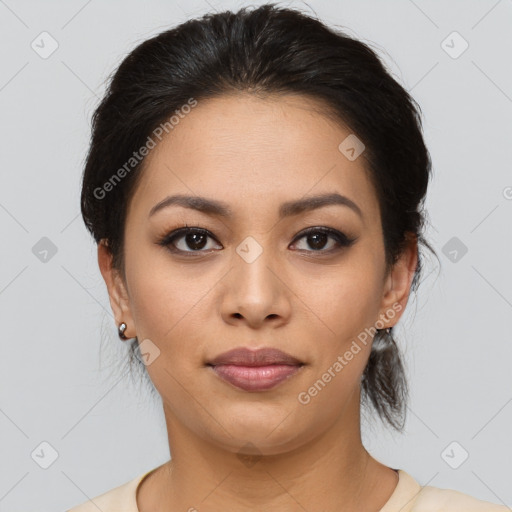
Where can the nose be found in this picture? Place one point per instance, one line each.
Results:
(255, 292)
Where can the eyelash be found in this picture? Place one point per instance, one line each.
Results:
(343, 240)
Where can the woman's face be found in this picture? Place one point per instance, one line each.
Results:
(255, 279)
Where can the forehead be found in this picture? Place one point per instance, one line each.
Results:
(240, 148)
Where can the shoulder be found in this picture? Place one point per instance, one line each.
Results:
(118, 499)
(431, 499)
(410, 496)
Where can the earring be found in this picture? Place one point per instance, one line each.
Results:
(120, 331)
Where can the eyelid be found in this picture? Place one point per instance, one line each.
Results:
(322, 229)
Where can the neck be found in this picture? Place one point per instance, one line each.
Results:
(321, 472)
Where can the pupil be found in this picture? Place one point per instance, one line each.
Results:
(315, 244)
(191, 239)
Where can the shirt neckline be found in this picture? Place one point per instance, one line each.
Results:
(400, 500)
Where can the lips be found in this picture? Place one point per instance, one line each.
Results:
(261, 357)
(255, 370)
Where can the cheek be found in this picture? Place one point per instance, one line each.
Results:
(163, 297)
(165, 307)
(347, 303)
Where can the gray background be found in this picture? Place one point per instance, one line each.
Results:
(62, 385)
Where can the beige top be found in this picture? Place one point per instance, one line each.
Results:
(408, 496)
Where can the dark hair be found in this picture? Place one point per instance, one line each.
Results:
(268, 50)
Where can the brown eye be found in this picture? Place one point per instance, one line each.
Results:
(190, 240)
(317, 238)
(195, 240)
(187, 240)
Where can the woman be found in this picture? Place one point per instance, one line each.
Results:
(255, 184)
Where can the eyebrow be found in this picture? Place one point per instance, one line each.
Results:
(287, 209)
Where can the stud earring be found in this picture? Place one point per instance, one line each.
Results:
(120, 331)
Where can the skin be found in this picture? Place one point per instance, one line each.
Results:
(255, 153)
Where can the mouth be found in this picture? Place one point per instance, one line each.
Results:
(255, 370)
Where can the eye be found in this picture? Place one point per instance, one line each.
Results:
(194, 238)
(318, 237)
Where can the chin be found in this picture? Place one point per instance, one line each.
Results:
(262, 436)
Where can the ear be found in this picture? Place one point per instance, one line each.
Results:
(398, 283)
(118, 295)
